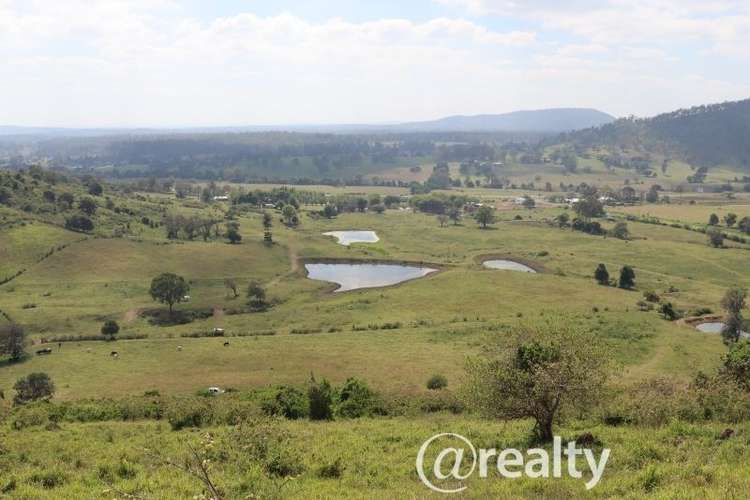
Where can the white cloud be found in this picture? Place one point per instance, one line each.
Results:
(144, 62)
(628, 21)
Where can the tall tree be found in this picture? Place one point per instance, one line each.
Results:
(601, 275)
(627, 277)
(551, 370)
(730, 219)
(485, 215)
(267, 225)
(733, 302)
(170, 289)
(12, 341)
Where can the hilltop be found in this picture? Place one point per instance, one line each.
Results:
(707, 135)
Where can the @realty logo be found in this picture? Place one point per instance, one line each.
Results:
(457, 460)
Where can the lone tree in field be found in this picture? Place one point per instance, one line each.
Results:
(627, 278)
(563, 220)
(330, 211)
(733, 303)
(267, 225)
(290, 216)
(233, 232)
(34, 387)
(110, 328)
(256, 296)
(601, 275)
(12, 341)
(170, 289)
(589, 207)
(485, 216)
(454, 214)
(620, 231)
(549, 370)
(713, 220)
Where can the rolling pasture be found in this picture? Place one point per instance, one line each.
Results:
(394, 336)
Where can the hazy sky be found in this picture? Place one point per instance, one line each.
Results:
(231, 62)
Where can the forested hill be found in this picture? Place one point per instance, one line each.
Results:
(714, 134)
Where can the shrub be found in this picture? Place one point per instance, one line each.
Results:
(715, 238)
(186, 412)
(79, 223)
(355, 399)
(627, 278)
(283, 463)
(736, 363)
(436, 382)
(110, 328)
(331, 471)
(621, 231)
(36, 386)
(668, 311)
(286, 401)
(48, 479)
(601, 275)
(320, 395)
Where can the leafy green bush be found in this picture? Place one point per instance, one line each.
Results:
(355, 399)
(436, 382)
(286, 401)
(331, 471)
(320, 395)
(188, 412)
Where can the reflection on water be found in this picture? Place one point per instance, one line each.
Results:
(349, 237)
(507, 265)
(716, 327)
(355, 276)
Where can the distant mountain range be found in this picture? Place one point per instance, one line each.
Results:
(544, 120)
(713, 134)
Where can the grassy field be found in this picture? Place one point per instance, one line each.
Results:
(394, 338)
(439, 317)
(376, 458)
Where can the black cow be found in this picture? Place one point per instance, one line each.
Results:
(46, 350)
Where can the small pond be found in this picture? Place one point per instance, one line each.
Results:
(716, 327)
(356, 276)
(348, 237)
(507, 265)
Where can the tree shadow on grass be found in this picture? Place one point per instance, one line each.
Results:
(7, 362)
(162, 317)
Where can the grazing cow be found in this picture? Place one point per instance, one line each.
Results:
(114, 354)
(179, 347)
(226, 344)
(46, 350)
